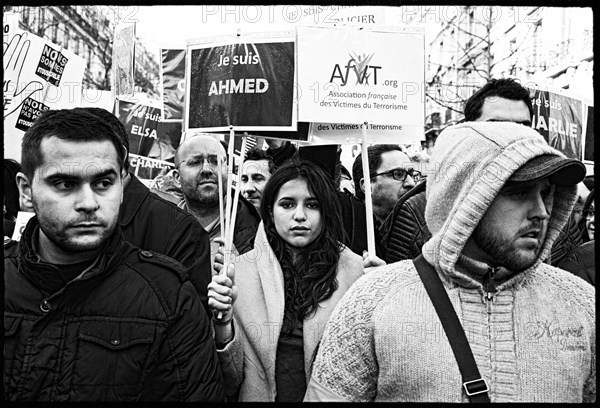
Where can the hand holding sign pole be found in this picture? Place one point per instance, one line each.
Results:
(368, 202)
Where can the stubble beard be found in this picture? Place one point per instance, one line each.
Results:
(61, 239)
(504, 253)
(197, 198)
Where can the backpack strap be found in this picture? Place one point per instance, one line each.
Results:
(474, 385)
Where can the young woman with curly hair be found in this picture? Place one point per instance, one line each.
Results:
(276, 299)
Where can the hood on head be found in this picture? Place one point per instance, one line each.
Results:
(472, 163)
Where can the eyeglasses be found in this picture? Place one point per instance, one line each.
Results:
(212, 160)
(401, 174)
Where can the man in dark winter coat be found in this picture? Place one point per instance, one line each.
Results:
(153, 223)
(88, 316)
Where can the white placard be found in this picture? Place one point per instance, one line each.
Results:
(353, 76)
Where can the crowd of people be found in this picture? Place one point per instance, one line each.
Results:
(119, 292)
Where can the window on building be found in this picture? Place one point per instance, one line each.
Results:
(67, 40)
(41, 17)
(537, 47)
(54, 30)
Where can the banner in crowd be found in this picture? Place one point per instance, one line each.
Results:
(559, 119)
(148, 135)
(588, 149)
(20, 224)
(351, 76)
(245, 82)
(124, 60)
(172, 77)
(337, 15)
(10, 21)
(147, 168)
(38, 76)
(97, 98)
(348, 133)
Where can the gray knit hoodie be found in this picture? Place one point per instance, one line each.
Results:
(535, 342)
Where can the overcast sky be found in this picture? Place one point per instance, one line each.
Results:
(162, 25)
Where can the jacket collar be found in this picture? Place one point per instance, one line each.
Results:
(35, 270)
(133, 197)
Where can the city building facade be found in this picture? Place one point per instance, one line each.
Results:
(550, 47)
(88, 31)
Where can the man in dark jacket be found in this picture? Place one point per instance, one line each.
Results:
(88, 316)
(404, 232)
(153, 223)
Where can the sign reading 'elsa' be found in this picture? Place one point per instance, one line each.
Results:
(245, 82)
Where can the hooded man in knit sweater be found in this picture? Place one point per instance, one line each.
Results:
(495, 204)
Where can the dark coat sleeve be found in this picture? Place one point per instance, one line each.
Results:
(189, 243)
(568, 239)
(405, 231)
(188, 367)
(581, 262)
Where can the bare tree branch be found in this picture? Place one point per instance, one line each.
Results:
(441, 104)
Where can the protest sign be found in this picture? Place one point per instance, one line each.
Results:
(20, 224)
(38, 76)
(245, 82)
(358, 15)
(351, 76)
(148, 135)
(10, 21)
(588, 148)
(124, 59)
(349, 133)
(172, 78)
(97, 98)
(147, 168)
(299, 135)
(559, 119)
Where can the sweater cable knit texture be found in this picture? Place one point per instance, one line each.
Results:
(535, 342)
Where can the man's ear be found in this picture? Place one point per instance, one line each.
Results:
(25, 198)
(176, 176)
(362, 184)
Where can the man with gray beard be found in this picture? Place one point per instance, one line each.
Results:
(196, 164)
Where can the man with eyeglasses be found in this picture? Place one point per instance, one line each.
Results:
(196, 169)
(392, 176)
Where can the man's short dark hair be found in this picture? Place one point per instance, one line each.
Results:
(115, 124)
(259, 154)
(374, 152)
(506, 88)
(67, 124)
